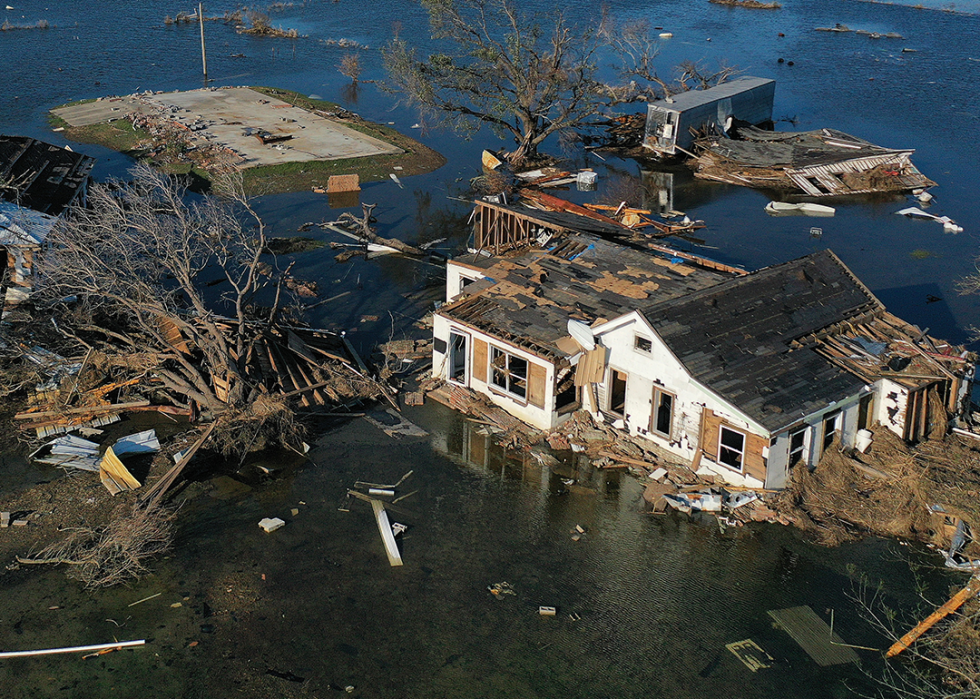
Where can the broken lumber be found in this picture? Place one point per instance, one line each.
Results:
(954, 603)
(94, 409)
(73, 649)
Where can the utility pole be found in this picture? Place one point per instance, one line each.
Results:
(204, 55)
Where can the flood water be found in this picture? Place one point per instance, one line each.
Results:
(659, 597)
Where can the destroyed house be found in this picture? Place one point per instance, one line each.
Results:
(38, 182)
(42, 177)
(673, 121)
(741, 376)
(815, 163)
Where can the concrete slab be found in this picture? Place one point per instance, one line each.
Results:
(231, 118)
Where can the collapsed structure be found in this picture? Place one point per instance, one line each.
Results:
(818, 163)
(38, 183)
(740, 375)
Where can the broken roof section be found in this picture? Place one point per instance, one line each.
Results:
(820, 163)
(41, 176)
(736, 337)
(23, 227)
(528, 299)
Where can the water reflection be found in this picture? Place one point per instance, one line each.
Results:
(558, 473)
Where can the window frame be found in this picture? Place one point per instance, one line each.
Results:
(801, 451)
(838, 417)
(610, 393)
(637, 338)
(467, 360)
(657, 393)
(507, 372)
(741, 461)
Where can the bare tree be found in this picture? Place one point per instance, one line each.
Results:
(350, 66)
(529, 77)
(137, 255)
(521, 76)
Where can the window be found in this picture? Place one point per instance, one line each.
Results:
(465, 282)
(457, 357)
(617, 392)
(508, 372)
(663, 413)
(864, 411)
(731, 447)
(797, 446)
(831, 425)
(642, 344)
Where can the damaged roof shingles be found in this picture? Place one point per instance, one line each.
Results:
(531, 297)
(735, 337)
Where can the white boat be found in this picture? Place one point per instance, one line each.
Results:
(782, 208)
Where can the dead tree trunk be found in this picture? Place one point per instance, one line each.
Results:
(364, 231)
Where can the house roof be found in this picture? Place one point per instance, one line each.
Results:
(735, 337)
(23, 227)
(696, 98)
(44, 177)
(758, 148)
(528, 299)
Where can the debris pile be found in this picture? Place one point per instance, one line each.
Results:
(816, 163)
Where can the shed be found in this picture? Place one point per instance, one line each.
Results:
(671, 120)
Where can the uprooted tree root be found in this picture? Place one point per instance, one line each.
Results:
(115, 553)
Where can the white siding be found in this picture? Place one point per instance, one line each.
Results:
(455, 275)
(659, 368)
(890, 403)
(542, 418)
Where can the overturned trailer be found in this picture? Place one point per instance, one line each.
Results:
(673, 121)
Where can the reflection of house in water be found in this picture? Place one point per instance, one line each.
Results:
(658, 190)
(472, 445)
(739, 375)
(38, 183)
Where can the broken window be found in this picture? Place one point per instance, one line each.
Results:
(831, 426)
(642, 344)
(617, 392)
(508, 372)
(457, 357)
(663, 413)
(731, 447)
(864, 411)
(797, 446)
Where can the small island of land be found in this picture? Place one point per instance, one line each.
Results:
(281, 141)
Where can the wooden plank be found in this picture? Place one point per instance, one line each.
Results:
(814, 636)
(387, 535)
(93, 409)
(537, 387)
(954, 603)
(480, 359)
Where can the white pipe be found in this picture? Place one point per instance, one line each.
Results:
(75, 649)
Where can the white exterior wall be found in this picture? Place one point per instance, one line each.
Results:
(455, 274)
(777, 472)
(890, 402)
(543, 418)
(659, 368)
